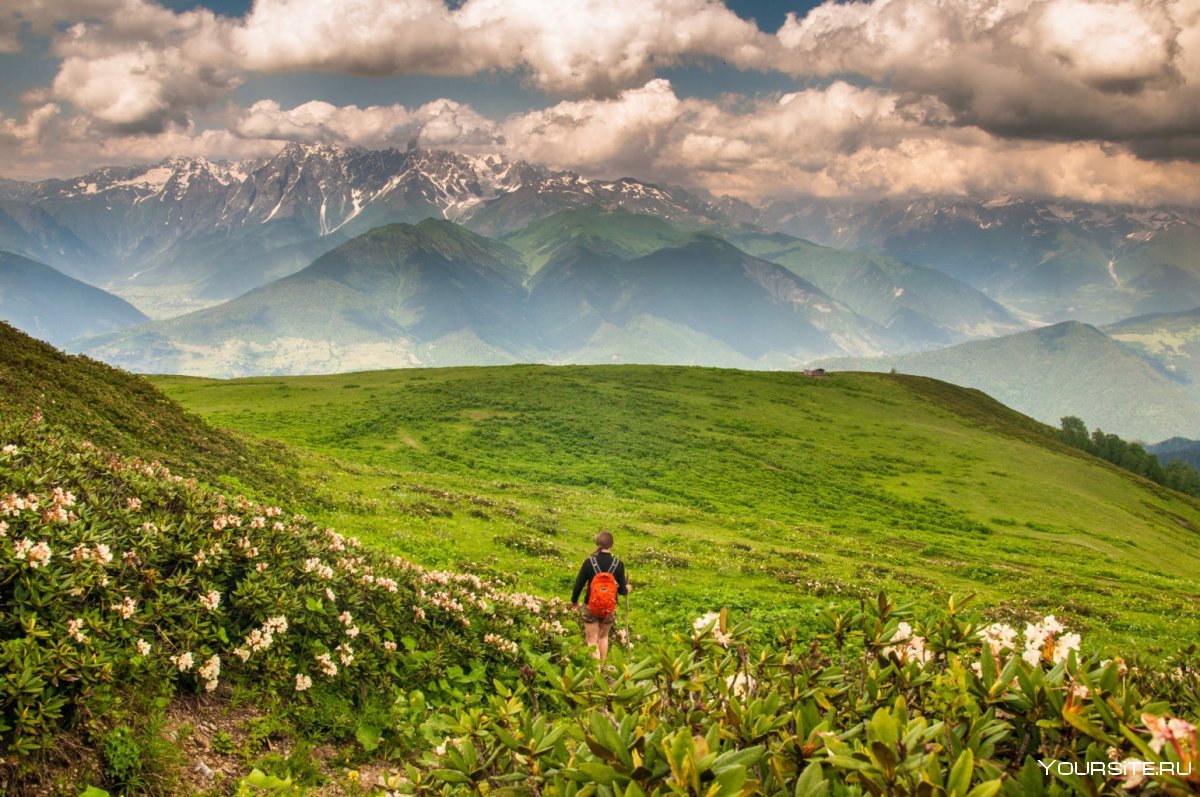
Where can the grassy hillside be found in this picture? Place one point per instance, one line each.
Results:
(125, 413)
(765, 492)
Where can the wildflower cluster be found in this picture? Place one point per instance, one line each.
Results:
(153, 581)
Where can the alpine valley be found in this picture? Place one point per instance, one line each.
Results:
(330, 259)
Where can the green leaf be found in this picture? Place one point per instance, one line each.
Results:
(450, 776)
(1088, 727)
(959, 782)
(92, 791)
(368, 736)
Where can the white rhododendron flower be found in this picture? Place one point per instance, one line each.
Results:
(209, 672)
(143, 647)
(183, 662)
(210, 600)
(325, 662)
(303, 682)
(75, 629)
(711, 624)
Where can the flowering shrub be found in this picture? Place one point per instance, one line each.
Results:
(882, 703)
(117, 574)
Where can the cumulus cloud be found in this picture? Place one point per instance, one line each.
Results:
(441, 123)
(833, 141)
(570, 47)
(1036, 96)
(1115, 70)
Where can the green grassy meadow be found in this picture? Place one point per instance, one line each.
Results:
(766, 492)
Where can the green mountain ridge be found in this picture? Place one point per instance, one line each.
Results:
(1064, 369)
(436, 294)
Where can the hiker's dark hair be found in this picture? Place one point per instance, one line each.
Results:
(603, 540)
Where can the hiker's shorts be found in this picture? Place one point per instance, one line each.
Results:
(590, 618)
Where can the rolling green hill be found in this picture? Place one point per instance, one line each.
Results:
(1064, 369)
(772, 493)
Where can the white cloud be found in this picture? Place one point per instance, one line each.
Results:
(619, 135)
(961, 95)
(1080, 69)
(438, 124)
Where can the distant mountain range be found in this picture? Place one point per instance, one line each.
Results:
(435, 293)
(188, 232)
(324, 258)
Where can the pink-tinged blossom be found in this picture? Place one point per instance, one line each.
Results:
(261, 566)
(183, 662)
(10, 450)
(345, 654)
(37, 554)
(325, 662)
(133, 503)
(3, 528)
(210, 600)
(389, 646)
(126, 608)
(303, 682)
(143, 647)
(210, 672)
(75, 629)
(60, 497)
(501, 644)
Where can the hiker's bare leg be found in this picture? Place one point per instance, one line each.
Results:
(602, 641)
(591, 632)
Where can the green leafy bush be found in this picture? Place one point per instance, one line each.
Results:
(116, 574)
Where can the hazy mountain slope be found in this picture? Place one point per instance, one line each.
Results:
(54, 307)
(1051, 260)
(381, 299)
(917, 305)
(702, 301)
(436, 294)
(1065, 369)
(1171, 341)
(26, 229)
(603, 230)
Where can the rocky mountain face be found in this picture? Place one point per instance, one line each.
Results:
(209, 231)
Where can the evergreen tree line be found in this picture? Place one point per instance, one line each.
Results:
(1175, 474)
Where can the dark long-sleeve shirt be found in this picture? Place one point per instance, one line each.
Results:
(583, 581)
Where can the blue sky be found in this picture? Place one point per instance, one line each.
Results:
(1087, 99)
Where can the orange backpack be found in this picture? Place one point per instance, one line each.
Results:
(602, 593)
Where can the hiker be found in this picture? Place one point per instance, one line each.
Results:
(601, 579)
